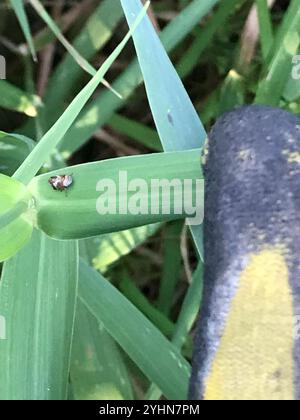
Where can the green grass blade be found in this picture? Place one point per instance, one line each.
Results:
(187, 317)
(98, 371)
(190, 308)
(163, 323)
(139, 300)
(14, 99)
(265, 27)
(176, 119)
(171, 266)
(232, 93)
(19, 9)
(292, 89)
(51, 139)
(95, 34)
(14, 149)
(145, 135)
(285, 47)
(104, 106)
(106, 250)
(145, 345)
(37, 298)
(205, 34)
(80, 60)
(15, 228)
(74, 215)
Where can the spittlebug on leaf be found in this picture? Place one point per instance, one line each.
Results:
(61, 182)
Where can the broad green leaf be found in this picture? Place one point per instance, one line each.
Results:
(51, 139)
(117, 194)
(97, 369)
(137, 131)
(13, 98)
(14, 149)
(147, 347)
(37, 300)
(19, 9)
(15, 224)
(175, 117)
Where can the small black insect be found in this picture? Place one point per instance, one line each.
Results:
(61, 182)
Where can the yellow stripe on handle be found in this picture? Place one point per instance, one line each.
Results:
(246, 366)
(247, 345)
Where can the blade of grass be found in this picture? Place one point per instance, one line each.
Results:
(37, 298)
(145, 345)
(103, 107)
(106, 250)
(98, 371)
(265, 27)
(176, 119)
(51, 139)
(171, 267)
(138, 299)
(13, 98)
(232, 92)
(80, 60)
(97, 31)
(164, 324)
(19, 9)
(292, 89)
(15, 229)
(205, 34)
(80, 218)
(187, 317)
(145, 135)
(286, 46)
(14, 149)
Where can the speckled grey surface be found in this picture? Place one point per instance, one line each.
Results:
(252, 186)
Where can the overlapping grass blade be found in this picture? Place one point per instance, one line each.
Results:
(15, 229)
(104, 106)
(94, 35)
(51, 139)
(145, 345)
(13, 98)
(98, 371)
(265, 27)
(14, 149)
(186, 319)
(37, 299)
(171, 266)
(18, 6)
(74, 214)
(205, 34)
(80, 60)
(105, 250)
(141, 133)
(279, 71)
(177, 122)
